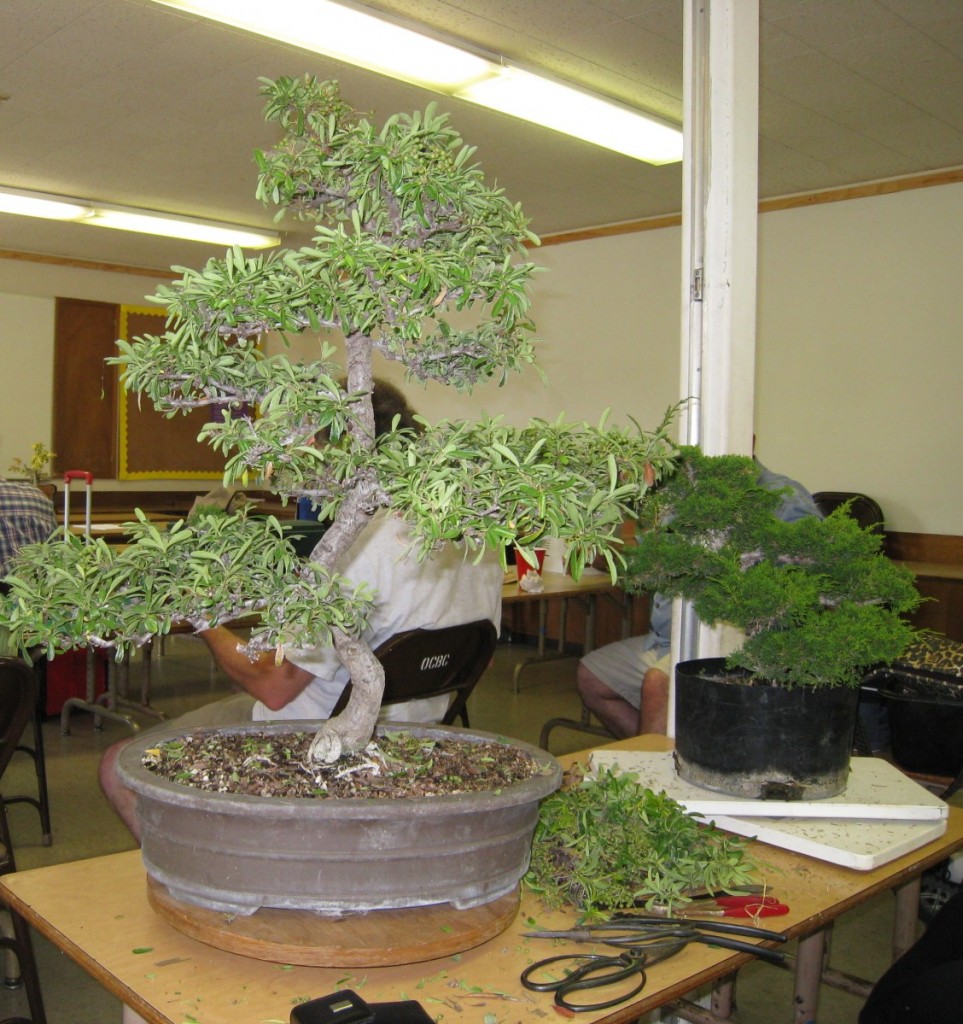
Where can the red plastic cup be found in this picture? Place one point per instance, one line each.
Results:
(523, 566)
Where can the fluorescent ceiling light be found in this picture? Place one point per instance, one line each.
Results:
(368, 41)
(578, 113)
(349, 35)
(36, 204)
(178, 227)
(125, 218)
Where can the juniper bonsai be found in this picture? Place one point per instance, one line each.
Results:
(818, 600)
(407, 234)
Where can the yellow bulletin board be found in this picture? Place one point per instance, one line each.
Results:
(151, 445)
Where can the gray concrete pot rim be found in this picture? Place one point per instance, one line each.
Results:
(144, 782)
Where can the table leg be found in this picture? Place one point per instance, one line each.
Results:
(723, 997)
(145, 671)
(907, 912)
(542, 636)
(588, 643)
(809, 971)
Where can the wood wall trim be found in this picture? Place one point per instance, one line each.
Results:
(887, 186)
(628, 227)
(78, 264)
(937, 548)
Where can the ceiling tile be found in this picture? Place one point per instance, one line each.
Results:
(127, 100)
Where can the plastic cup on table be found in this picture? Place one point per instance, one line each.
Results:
(524, 567)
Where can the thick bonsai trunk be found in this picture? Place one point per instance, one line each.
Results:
(351, 731)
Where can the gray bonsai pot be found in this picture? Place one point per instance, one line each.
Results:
(335, 856)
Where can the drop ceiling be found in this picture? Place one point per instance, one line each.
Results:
(130, 103)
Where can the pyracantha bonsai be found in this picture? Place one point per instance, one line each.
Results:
(407, 233)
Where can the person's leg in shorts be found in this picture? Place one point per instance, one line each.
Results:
(626, 687)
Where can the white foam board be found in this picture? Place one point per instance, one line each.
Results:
(876, 790)
(854, 844)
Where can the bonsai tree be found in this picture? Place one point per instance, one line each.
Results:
(407, 234)
(818, 601)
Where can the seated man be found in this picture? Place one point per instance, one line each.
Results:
(626, 684)
(26, 517)
(446, 589)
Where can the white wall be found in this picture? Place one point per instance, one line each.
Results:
(26, 358)
(607, 318)
(860, 352)
(859, 362)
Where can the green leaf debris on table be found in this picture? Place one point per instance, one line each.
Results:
(609, 843)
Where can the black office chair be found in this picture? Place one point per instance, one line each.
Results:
(862, 508)
(423, 663)
(18, 702)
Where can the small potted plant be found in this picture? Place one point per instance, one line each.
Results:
(819, 605)
(35, 469)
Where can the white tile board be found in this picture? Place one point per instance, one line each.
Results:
(854, 844)
(876, 790)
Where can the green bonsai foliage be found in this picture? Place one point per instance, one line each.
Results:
(414, 258)
(611, 844)
(818, 601)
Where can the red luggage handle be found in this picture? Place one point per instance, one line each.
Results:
(88, 478)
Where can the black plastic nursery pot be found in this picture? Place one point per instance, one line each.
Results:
(925, 724)
(761, 741)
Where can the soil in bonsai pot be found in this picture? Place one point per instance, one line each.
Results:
(398, 764)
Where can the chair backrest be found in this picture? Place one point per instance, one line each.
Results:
(427, 662)
(18, 702)
(304, 534)
(863, 509)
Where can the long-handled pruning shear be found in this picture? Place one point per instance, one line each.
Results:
(639, 932)
(643, 941)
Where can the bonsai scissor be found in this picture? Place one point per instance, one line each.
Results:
(729, 906)
(586, 971)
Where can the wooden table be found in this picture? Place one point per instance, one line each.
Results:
(563, 588)
(168, 978)
(111, 525)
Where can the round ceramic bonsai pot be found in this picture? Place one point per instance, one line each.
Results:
(761, 741)
(238, 853)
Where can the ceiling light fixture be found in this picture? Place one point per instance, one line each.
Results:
(36, 204)
(127, 218)
(369, 41)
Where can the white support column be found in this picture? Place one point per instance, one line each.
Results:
(719, 213)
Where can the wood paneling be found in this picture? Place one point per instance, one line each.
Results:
(85, 388)
(937, 561)
(152, 445)
(938, 548)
